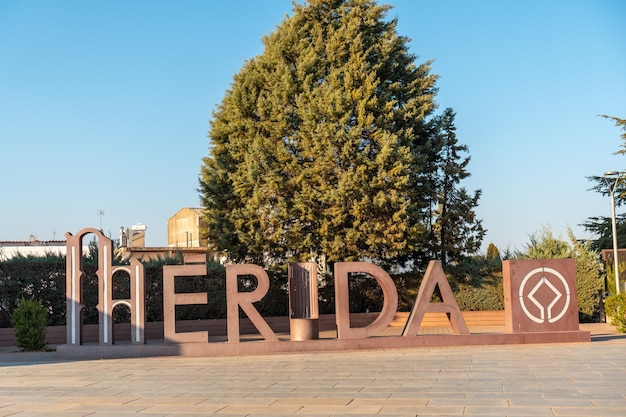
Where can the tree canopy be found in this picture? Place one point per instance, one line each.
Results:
(324, 147)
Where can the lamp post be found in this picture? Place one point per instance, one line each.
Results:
(616, 175)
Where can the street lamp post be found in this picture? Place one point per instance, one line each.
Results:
(616, 175)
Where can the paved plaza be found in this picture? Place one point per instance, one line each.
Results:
(573, 379)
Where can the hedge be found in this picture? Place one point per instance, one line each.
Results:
(477, 286)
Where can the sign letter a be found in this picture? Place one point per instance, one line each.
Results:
(434, 276)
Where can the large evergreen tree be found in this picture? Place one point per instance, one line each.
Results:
(322, 147)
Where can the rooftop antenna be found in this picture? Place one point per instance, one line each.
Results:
(100, 214)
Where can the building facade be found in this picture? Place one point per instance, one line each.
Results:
(185, 229)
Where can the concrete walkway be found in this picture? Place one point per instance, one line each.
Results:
(577, 379)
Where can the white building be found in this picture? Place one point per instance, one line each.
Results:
(34, 247)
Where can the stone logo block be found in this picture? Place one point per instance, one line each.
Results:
(540, 295)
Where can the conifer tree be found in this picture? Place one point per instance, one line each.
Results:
(601, 225)
(456, 232)
(493, 252)
(321, 149)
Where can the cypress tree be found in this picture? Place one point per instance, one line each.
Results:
(319, 150)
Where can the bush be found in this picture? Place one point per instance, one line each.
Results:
(482, 298)
(29, 324)
(615, 306)
(477, 283)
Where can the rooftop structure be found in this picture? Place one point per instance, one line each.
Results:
(34, 247)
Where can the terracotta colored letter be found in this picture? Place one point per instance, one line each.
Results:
(236, 299)
(106, 303)
(434, 276)
(342, 300)
(171, 300)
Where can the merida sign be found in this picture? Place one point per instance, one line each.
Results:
(540, 307)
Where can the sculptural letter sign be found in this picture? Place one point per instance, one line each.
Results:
(540, 297)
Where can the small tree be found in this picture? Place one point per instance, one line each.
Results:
(616, 309)
(29, 323)
(589, 277)
(493, 252)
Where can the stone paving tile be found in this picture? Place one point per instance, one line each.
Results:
(184, 408)
(50, 409)
(487, 388)
(486, 396)
(252, 410)
(183, 414)
(349, 409)
(508, 411)
(440, 411)
(526, 399)
(87, 407)
(397, 411)
(282, 415)
(610, 403)
(277, 395)
(487, 402)
(313, 401)
(589, 411)
(392, 402)
(353, 393)
(432, 396)
(65, 413)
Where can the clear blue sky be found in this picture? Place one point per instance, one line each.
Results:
(104, 105)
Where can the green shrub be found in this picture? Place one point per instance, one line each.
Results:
(615, 306)
(477, 283)
(481, 298)
(29, 324)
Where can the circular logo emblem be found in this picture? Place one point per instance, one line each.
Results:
(546, 288)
